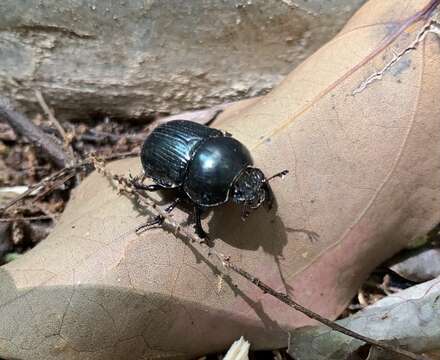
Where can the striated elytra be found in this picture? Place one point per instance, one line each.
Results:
(207, 166)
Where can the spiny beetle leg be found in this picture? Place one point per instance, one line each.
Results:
(139, 185)
(157, 220)
(152, 187)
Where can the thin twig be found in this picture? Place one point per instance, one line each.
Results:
(58, 174)
(28, 218)
(204, 116)
(36, 187)
(286, 299)
(125, 186)
(23, 126)
(50, 115)
(54, 185)
(57, 124)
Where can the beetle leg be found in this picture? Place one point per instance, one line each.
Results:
(140, 177)
(198, 223)
(269, 195)
(157, 220)
(171, 207)
(139, 185)
(268, 190)
(153, 187)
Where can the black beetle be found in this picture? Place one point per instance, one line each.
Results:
(207, 166)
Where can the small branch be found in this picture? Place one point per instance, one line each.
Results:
(125, 186)
(50, 115)
(56, 123)
(28, 218)
(286, 299)
(60, 174)
(56, 184)
(39, 186)
(25, 127)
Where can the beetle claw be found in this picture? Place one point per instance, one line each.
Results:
(158, 220)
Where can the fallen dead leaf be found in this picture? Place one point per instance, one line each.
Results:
(409, 318)
(418, 265)
(359, 131)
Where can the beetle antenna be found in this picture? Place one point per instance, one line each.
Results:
(281, 174)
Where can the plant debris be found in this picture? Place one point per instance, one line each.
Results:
(22, 167)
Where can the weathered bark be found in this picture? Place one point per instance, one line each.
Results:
(134, 58)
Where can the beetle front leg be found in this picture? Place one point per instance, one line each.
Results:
(139, 186)
(269, 196)
(267, 189)
(157, 220)
(198, 223)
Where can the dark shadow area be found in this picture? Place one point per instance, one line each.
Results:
(170, 194)
(263, 228)
(255, 305)
(117, 323)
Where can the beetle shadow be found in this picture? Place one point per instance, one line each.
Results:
(256, 305)
(168, 196)
(263, 228)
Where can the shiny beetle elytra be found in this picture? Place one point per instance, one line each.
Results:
(207, 167)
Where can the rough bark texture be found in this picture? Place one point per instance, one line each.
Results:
(134, 58)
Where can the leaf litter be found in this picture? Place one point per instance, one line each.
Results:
(33, 160)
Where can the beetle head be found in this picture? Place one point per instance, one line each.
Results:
(249, 189)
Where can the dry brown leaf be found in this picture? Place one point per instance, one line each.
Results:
(417, 265)
(410, 318)
(365, 177)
